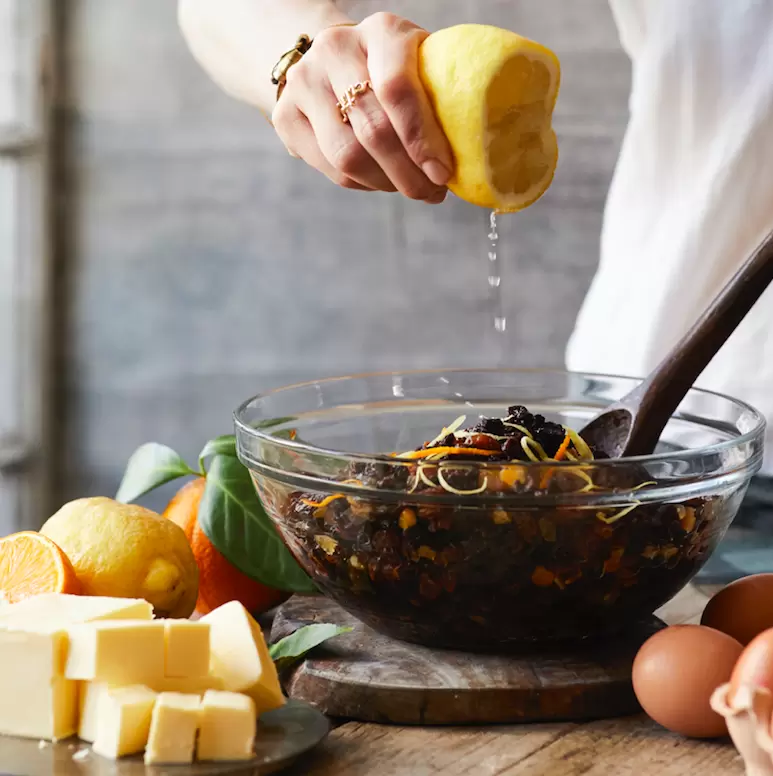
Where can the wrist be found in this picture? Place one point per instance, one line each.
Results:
(326, 16)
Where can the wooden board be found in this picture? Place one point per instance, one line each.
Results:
(283, 735)
(365, 676)
(629, 745)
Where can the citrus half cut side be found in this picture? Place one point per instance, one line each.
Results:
(31, 564)
(494, 93)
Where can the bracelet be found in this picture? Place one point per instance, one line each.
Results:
(292, 57)
(286, 61)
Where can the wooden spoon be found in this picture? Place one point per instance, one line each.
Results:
(633, 425)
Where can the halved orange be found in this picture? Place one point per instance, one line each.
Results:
(31, 564)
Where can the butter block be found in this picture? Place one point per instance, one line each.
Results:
(35, 702)
(124, 721)
(46, 649)
(119, 652)
(57, 610)
(186, 650)
(239, 656)
(173, 729)
(227, 726)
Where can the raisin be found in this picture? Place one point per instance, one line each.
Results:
(520, 415)
(491, 426)
(461, 478)
(549, 435)
(384, 476)
(513, 449)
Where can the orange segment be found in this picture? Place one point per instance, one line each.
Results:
(31, 564)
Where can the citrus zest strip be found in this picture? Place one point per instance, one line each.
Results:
(325, 501)
(562, 450)
(560, 454)
(414, 454)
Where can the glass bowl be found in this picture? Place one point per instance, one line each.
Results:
(544, 552)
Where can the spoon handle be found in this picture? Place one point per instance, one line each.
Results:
(660, 394)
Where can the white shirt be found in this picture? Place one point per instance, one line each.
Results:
(692, 194)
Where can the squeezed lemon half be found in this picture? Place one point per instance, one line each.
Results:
(494, 92)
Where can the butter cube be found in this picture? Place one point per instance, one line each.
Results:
(226, 726)
(35, 700)
(124, 721)
(193, 685)
(58, 610)
(173, 729)
(119, 652)
(239, 656)
(186, 652)
(90, 697)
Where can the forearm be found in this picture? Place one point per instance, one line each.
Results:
(238, 41)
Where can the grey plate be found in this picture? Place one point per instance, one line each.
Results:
(283, 736)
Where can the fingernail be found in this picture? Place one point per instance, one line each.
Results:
(436, 199)
(436, 172)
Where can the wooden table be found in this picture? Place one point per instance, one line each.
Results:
(629, 746)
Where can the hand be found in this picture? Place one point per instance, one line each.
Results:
(393, 141)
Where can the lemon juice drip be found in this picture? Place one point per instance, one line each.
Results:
(494, 276)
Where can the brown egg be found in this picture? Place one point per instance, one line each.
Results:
(755, 666)
(743, 609)
(676, 671)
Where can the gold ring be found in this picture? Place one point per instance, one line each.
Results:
(346, 103)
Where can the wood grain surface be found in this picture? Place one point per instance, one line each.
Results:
(631, 746)
(628, 746)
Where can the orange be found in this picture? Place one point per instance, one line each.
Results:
(31, 564)
(219, 581)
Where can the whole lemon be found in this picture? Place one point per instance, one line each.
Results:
(127, 551)
(494, 93)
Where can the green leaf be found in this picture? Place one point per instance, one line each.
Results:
(297, 645)
(222, 445)
(150, 466)
(232, 517)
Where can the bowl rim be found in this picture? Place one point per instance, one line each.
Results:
(756, 431)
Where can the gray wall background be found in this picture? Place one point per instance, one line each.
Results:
(202, 264)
